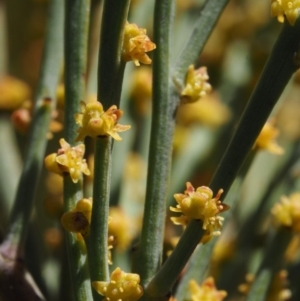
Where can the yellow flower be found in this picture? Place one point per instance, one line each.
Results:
(122, 287)
(141, 90)
(278, 290)
(13, 93)
(135, 45)
(289, 8)
(266, 139)
(196, 84)
(119, 228)
(95, 122)
(78, 220)
(287, 212)
(200, 204)
(207, 291)
(68, 160)
(208, 110)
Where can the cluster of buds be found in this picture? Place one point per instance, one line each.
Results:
(135, 45)
(121, 287)
(287, 212)
(206, 291)
(78, 221)
(13, 92)
(266, 139)
(94, 121)
(199, 204)
(196, 84)
(288, 8)
(68, 160)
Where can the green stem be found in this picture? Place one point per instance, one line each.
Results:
(79, 280)
(97, 241)
(44, 103)
(148, 259)
(270, 264)
(76, 38)
(76, 30)
(110, 78)
(111, 67)
(203, 27)
(277, 72)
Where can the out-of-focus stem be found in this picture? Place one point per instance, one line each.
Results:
(281, 64)
(203, 27)
(270, 264)
(44, 104)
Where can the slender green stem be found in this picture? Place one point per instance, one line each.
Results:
(110, 78)
(148, 259)
(80, 281)
(76, 38)
(270, 264)
(277, 72)
(111, 67)
(203, 27)
(76, 31)
(97, 245)
(44, 104)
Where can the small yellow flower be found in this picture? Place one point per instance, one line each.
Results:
(13, 92)
(78, 220)
(135, 45)
(279, 287)
(95, 122)
(287, 212)
(289, 8)
(21, 119)
(141, 90)
(122, 287)
(208, 110)
(200, 204)
(207, 291)
(196, 84)
(68, 160)
(266, 139)
(120, 228)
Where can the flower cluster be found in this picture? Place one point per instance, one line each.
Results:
(120, 227)
(68, 160)
(22, 117)
(122, 287)
(141, 90)
(196, 84)
(287, 212)
(78, 220)
(135, 45)
(289, 8)
(13, 92)
(208, 110)
(200, 205)
(206, 291)
(95, 122)
(266, 139)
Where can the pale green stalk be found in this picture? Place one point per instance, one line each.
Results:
(110, 77)
(149, 254)
(76, 38)
(277, 72)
